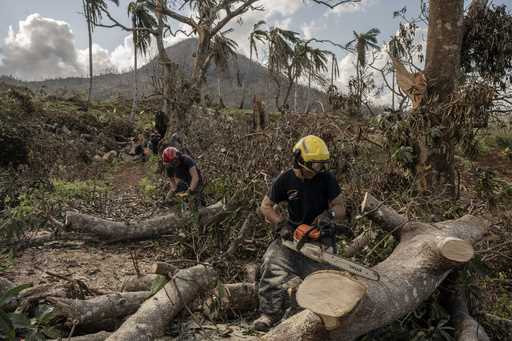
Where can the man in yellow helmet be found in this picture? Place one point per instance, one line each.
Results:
(313, 196)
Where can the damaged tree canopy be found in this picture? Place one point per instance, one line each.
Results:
(426, 254)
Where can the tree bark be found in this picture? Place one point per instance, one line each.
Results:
(153, 317)
(131, 118)
(100, 336)
(455, 301)
(444, 42)
(96, 313)
(112, 231)
(231, 299)
(89, 31)
(164, 269)
(138, 283)
(408, 276)
(304, 326)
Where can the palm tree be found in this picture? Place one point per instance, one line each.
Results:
(222, 50)
(362, 42)
(141, 18)
(92, 13)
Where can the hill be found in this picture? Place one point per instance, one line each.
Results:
(120, 84)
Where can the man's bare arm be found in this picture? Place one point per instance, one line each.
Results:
(194, 178)
(271, 215)
(172, 182)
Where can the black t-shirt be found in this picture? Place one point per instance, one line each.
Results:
(182, 171)
(307, 198)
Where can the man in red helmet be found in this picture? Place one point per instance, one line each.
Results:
(184, 175)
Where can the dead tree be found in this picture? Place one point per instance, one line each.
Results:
(426, 254)
(258, 114)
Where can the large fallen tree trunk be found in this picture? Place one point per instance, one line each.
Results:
(112, 231)
(101, 312)
(154, 316)
(454, 299)
(424, 257)
(100, 336)
(466, 327)
(139, 283)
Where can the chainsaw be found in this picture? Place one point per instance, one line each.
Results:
(316, 253)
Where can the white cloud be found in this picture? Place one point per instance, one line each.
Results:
(101, 60)
(311, 28)
(41, 48)
(276, 13)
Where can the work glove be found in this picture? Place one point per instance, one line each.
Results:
(306, 231)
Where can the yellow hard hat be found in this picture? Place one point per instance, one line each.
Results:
(311, 148)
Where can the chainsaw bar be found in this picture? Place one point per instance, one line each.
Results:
(316, 253)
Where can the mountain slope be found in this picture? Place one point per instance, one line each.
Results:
(111, 85)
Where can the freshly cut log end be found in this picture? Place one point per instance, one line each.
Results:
(330, 293)
(456, 249)
(164, 269)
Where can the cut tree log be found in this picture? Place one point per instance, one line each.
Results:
(408, 276)
(99, 312)
(138, 283)
(358, 243)
(230, 299)
(100, 336)
(251, 272)
(153, 317)
(164, 269)
(466, 327)
(330, 294)
(112, 231)
(454, 299)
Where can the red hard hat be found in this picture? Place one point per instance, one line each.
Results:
(169, 154)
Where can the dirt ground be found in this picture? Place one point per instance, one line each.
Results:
(99, 266)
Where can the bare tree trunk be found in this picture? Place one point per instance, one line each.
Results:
(112, 231)
(444, 41)
(153, 317)
(101, 336)
(89, 31)
(131, 118)
(424, 257)
(166, 65)
(393, 91)
(308, 100)
(466, 327)
(242, 101)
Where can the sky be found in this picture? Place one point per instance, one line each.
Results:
(42, 39)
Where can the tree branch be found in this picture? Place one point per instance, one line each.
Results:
(176, 16)
(232, 14)
(336, 4)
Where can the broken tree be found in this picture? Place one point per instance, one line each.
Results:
(112, 231)
(153, 317)
(426, 254)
